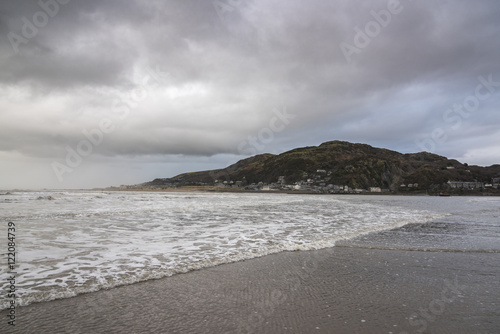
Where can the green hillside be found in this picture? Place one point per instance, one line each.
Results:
(342, 163)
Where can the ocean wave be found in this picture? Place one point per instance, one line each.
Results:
(117, 241)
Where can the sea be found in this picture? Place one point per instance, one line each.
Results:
(73, 242)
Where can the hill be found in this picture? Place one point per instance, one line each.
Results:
(340, 163)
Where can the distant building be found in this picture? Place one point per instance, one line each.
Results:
(321, 171)
(465, 185)
(495, 182)
(375, 190)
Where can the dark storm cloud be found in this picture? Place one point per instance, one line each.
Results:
(199, 77)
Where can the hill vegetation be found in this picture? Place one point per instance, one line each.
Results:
(358, 166)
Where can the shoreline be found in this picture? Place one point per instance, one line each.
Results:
(197, 189)
(340, 290)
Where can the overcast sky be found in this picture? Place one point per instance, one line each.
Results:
(101, 93)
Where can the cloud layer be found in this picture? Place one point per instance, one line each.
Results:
(161, 87)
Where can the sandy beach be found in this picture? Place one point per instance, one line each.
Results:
(335, 290)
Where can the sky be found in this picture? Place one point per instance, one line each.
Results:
(103, 93)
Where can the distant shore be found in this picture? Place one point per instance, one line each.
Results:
(203, 189)
(489, 192)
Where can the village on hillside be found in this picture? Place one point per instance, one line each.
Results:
(311, 183)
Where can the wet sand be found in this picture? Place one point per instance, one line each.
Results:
(336, 290)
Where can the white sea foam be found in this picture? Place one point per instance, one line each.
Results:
(77, 242)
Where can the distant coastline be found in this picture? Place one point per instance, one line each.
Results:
(339, 167)
(204, 189)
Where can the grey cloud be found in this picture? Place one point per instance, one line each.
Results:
(228, 71)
